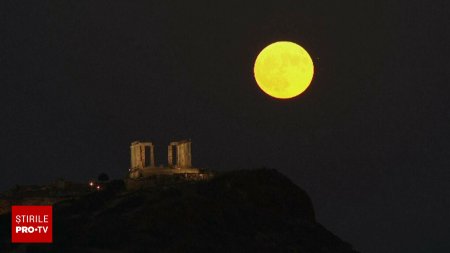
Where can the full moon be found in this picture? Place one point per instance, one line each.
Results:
(283, 70)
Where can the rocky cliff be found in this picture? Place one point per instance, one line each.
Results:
(239, 211)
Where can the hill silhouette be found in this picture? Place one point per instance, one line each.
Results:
(240, 211)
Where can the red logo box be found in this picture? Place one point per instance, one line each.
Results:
(31, 224)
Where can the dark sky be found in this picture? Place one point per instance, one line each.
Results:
(369, 140)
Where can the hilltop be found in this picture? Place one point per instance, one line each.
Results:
(240, 211)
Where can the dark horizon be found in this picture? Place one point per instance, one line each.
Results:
(368, 140)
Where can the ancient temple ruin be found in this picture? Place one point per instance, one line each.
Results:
(182, 157)
(142, 154)
(179, 160)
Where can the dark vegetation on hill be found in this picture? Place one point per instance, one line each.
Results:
(239, 211)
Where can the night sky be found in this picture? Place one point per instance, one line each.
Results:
(369, 139)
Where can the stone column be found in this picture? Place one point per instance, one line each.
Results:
(139, 156)
(132, 156)
(179, 156)
(188, 155)
(170, 155)
(152, 156)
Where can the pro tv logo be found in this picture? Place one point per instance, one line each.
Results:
(31, 224)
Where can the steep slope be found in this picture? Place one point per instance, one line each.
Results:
(240, 211)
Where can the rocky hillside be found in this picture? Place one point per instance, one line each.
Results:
(240, 211)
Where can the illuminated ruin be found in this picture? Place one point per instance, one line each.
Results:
(179, 160)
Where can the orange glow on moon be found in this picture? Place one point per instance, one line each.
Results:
(283, 70)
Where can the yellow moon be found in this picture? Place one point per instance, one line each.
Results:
(283, 69)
